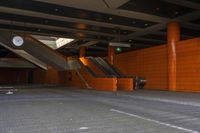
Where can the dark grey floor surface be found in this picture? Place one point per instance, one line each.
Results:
(67, 110)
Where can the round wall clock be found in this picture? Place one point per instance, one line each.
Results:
(18, 41)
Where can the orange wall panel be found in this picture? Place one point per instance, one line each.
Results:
(74, 80)
(188, 65)
(103, 84)
(125, 84)
(150, 63)
(13, 76)
(51, 76)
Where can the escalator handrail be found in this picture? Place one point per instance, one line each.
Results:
(100, 66)
(108, 66)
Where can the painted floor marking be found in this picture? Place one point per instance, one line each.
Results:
(155, 121)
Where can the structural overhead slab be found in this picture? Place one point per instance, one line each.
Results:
(41, 52)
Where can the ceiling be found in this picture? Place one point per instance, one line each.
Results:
(94, 23)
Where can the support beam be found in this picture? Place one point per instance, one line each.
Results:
(82, 52)
(163, 33)
(173, 36)
(55, 28)
(191, 26)
(111, 53)
(185, 3)
(187, 17)
(66, 19)
(150, 40)
(15, 63)
(89, 43)
(99, 6)
(145, 31)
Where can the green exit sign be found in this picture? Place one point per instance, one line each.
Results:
(118, 49)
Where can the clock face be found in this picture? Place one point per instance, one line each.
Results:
(18, 41)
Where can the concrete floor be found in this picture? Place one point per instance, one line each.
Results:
(65, 110)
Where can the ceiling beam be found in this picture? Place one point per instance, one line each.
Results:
(66, 19)
(92, 47)
(164, 33)
(191, 26)
(15, 63)
(54, 35)
(185, 3)
(140, 45)
(89, 43)
(189, 16)
(149, 40)
(154, 28)
(106, 10)
(56, 28)
(98, 48)
(144, 32)
(114, 4)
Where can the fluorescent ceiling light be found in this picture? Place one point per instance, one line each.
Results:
(53, 42)
(63, 41)
(114, 44)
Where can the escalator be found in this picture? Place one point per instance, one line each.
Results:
(106, 67)
(100, 66)
(93, 80)
(124, 83)
(110, 67)
(90, 71)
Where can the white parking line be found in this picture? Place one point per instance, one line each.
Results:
(167, 101)
(155, 121)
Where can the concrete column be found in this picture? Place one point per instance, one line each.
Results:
(82, 52)
(173, 36)
(111, 53)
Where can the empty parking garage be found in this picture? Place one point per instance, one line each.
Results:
(103, 66)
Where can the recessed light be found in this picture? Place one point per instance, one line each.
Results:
(146, 24)
(38, 30)
(130, 40)
(46, 21)
(56, 9)
(157, 8)
(133, 22)
(176, 13)
(80, 34)
(110, 18)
